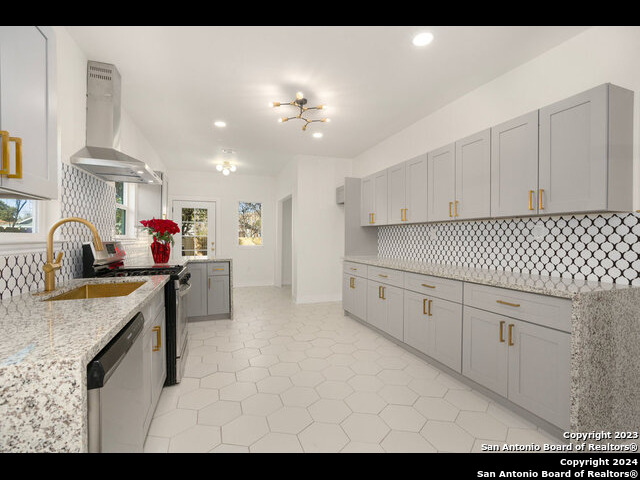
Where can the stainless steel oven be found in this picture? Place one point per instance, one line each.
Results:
(112, 262)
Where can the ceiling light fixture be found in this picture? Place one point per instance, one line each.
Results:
(220, 124)
(226, 168)
(317, 135)
(300, 102)
(422, 39)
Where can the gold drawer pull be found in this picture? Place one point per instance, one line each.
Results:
(18, 142)
(383, 276)
(502, 302)
(351, 268)
(4, 170)
(450, 209)
(428, 286)
(218, 269)
(351, 282)
(455, 208)
(501, 330)
(530, 200)
(510, 334)
(383, 294)
(540, 207)
(209, 284)
(158, 338)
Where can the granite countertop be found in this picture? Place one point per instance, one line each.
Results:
(525, 282)
(147, 260)
(45, 347)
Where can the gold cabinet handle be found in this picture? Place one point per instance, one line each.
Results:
(18, 142)
(510, 335)
(429, 307)
(370, 219)
(217, 269)
(209, 284)
(501, 330)
(354, 269)
(379, 291)
(455, 208)
(158, 338)
(428, 286)
(383, 294)
(502, 302)
(4, 170)
(540, 207)
(531, 192)
(424, 306)
(450, 203)
(373, 217)
(351, 282)
(383, 276)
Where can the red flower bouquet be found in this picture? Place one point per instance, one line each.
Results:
(162, 231)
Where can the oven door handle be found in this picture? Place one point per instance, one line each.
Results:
(183, 291)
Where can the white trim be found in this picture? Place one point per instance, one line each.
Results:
(27, 246)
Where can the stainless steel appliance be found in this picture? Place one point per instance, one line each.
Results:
(112, 262)
(101, 155)
(115, 395)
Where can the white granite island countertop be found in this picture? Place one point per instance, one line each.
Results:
(45, 347)
(605, 337)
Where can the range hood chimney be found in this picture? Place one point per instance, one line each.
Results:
(101, 155)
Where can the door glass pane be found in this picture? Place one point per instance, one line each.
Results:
(194, 228)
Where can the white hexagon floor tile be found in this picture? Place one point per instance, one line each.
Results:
(286, 377)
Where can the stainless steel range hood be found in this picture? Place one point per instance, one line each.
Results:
(102, 156)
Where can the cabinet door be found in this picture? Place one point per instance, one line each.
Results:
(366, 200)
(396, 178)
(359, 298)
(380, 198)
(158, 358)
(484, 349)
(197, 297)
(393, 298)
(218, 295)
(347, 293)
(27, 108)
(445, 332)
(473, 176)
(514, 167)
(539, 380)
(416, 324)
(416, 200)
(376, 314)
(147, 367)
(442, 183)
(573, 153)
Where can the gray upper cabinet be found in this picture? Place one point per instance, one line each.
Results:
(28, 112)
(374, 199)
(585, 161)
(514, 167)
(397, 188)
(407, 191)
(473, 176)
(441, 183)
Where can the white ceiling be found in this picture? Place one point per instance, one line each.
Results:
(176, 81)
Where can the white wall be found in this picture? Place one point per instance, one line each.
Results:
(251, 265)
(598, 55)
(318, 228)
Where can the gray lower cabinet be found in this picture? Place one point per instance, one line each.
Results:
(434, 327)
(217, 294)
(154, 363)
(385, 308)
(197, 297)
(354, 295)
(524, 362)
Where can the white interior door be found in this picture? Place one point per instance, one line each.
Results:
(197, 222)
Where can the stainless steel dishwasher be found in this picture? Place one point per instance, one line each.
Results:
(115, 395)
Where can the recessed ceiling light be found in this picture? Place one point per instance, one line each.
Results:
(317, 135)
(220, 124)
(422, 39)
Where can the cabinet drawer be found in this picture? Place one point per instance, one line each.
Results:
(218, 268)
(356, 269)
(539, 309)
(434, 286)
(153, 308)
(386, 275)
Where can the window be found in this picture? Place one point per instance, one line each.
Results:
(121, 209)
(195, 231)
(249, 224)
(17, 216)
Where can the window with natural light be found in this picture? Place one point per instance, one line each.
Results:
(17, 216)
(121, 209)
(249, 224)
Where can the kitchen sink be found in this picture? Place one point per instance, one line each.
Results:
(98, 290)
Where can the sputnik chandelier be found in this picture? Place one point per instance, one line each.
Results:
(300, 102)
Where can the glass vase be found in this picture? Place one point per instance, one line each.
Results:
(160, 251)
